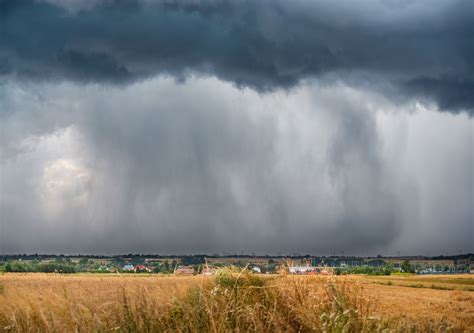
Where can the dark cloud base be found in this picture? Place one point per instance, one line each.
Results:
(423, 48)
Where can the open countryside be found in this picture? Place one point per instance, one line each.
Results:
(198, 166)
(236, 301)
(145, 293)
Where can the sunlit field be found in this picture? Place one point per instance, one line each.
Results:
(234, 302)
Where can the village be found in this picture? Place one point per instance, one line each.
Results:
(208, 265)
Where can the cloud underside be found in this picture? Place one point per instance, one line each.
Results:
(408, 49)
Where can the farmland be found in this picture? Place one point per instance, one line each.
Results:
(234, 301)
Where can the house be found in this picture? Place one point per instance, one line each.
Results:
(143, 268)
(256, 269)
(303, 270)
(128, 267)
(184, 270)
(208, 270)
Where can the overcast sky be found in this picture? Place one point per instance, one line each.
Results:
(202, 126)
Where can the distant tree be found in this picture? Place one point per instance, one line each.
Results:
(137, 260)
(174, 264)
(84, 261)
(193, 260)
(387, 269)
(166, 266)
(406, 267)
(271, 268)
(118, 261)
(240, 263)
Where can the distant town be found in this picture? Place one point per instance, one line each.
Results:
(208, 265)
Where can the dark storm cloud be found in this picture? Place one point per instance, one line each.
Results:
(423, 48)
(116, 135)
(448, 93)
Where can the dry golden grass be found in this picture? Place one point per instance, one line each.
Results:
(442, 282)
(229, 302)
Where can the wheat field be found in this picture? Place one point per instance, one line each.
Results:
(234, 302)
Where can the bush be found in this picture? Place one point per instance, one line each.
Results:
(52, 267)
(367, 270)
(407, 268)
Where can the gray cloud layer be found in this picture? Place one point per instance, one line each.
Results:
(202, 126)
(419, 48)
(166, 167)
